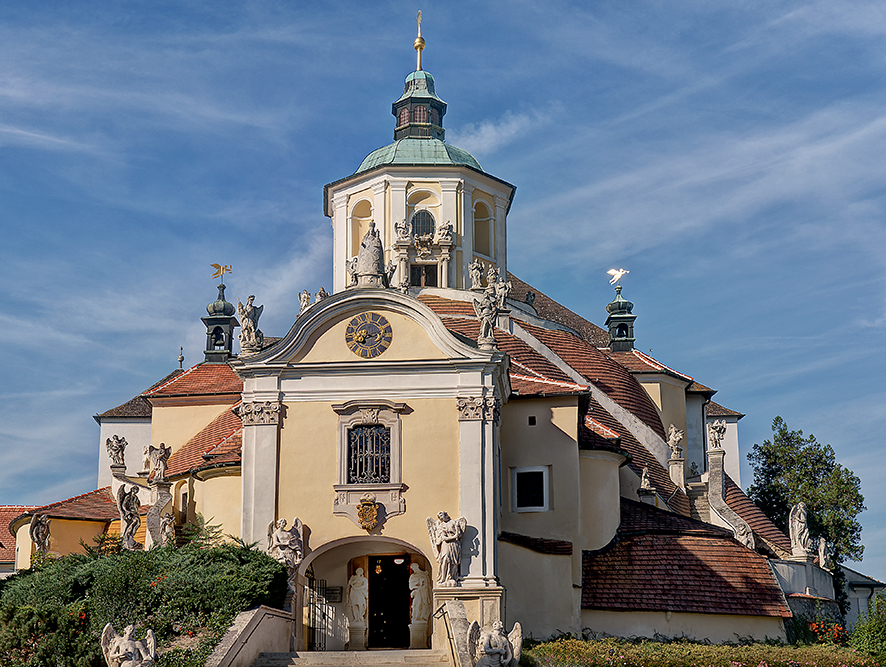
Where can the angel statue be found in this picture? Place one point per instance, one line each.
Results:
(159, 456)
(487, 312)
(446, 534)
(286, 546)
(675, 435)
(128, 505)
(251, 337)
(125, 651)
(716, 432)
(494, 649)
(116, 447)
(39, 531)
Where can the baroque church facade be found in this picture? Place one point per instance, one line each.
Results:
(437, 430)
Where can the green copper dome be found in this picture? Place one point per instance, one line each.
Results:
(419, 84)
(418, 151)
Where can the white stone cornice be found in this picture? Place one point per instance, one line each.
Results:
(379, 188)
(501, 202)
(467, 188)
(340, 200)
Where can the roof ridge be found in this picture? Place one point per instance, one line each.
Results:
(655, 362)
(545, 380)
(158, 386)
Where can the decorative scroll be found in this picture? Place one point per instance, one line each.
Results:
(258, 412)
(485, 408)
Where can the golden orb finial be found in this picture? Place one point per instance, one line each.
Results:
(418, 44)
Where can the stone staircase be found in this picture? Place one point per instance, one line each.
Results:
(413, 658)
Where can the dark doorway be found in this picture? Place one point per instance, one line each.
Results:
(388, 601)
(423, 275)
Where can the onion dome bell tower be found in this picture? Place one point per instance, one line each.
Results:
(219, 329)
(620, 323)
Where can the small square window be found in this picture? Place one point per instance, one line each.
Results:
(529, 489)
(532, 420)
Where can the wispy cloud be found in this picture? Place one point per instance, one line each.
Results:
(489, 135)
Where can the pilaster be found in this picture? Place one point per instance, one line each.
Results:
(261, 429)
(340, 241)
(379, 213)
(449, 213)
(501, 235)
(467, 233)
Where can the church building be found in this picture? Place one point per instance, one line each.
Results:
(436, 430)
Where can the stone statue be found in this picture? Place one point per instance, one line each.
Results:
(825, 551)
(487, 312)
(402, 229)
(743, 533)
(491, 276)
(322, 294)
(693, 469)
(445, 233)
(287, 546)
(403, 287)
(716, 431)
(167, 530)
(351, 268)
(304, 300)
(127, 505)
(446, 534)
(251, 337)
(146, 460)
(125, 651)
(675, 436)
(390, 270)
(493, 648)
(644, 480)
(159, 456)
(420, 590)
(358, 596)
(116, 446)
(476, 270)
(529, 299)
(799, 530)
(502, 291)
(39, 532)
(370, 267)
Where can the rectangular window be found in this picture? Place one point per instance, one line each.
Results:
(369, 455)
(423, 275)
(529, 489)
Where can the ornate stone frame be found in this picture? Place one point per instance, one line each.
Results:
(388, 496)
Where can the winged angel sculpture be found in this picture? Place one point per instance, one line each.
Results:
(446, 534)
(493, 648)
(287, 546)
(125, 651)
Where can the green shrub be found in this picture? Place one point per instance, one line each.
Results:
(869, 635)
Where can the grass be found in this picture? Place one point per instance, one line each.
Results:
(684, 653)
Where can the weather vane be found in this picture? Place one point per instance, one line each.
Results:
(419, 43)
(221, 270)
(616, 275)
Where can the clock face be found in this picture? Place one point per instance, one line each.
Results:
(368, 335)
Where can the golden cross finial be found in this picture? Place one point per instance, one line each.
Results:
(221, 270)
(419, 43)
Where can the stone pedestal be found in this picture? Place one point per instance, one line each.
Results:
(160, 498)
(677, 468)
(356, 636)
(647, 496)
(418, 635)
(483, 605)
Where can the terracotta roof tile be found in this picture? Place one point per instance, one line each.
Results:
(202, 379)
(219, 441)
(676, 564)
(443, 306)
(139, 405)
(753, 515)
(541, 545)
(7, 539)
(96, 505)
(549, 309)
(716, 410)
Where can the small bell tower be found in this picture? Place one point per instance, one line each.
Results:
(620, 323)
(220, 326)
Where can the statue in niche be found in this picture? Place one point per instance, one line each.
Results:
(445, 233)
(125, 651)
(167, 530)
(286, 546)
(371, 257)
(502, 291)
(402, 229)
(420, 590)
(39, 532)
(304, 300)
(476, 270)
(159, 456)
(116, 446)
(358, 596)
(799, 530)
(127, 505)
(487, 312)
(446, 534)
(494, 648)
(251, 337)
(645, 484)
(675, 436)
(322, 294)
(716, 431)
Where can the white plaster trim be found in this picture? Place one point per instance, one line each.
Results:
(546, 475)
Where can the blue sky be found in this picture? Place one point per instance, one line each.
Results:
(729, 154)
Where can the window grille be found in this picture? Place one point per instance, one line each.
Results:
(423, 223)
(420, 115)
(369, 455)
(404, 116)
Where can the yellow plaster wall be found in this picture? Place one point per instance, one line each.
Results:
(600, 489)
(64, 539)
(713, 627)
(24, 547)
(175, 425)
(670, 399)
(309, 465)
(218, 500)
(539, 591)
(409, 341)
(551, 442)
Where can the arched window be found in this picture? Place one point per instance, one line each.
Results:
(420, 115)
(483, 227)
(403, 118)
(423, 223)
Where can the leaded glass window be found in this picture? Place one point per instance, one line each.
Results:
(369, 455)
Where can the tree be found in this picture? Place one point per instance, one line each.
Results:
(791, 468)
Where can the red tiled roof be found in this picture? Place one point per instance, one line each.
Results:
(641, 458)
(675, 564)
(96, 505)
(607, 375)
(542, 545)
(7, 539)
(716, 410)
(698, 388)
(219, 442)
(202, 379)
(753, 515)
(549, 309)
(640, 362)
(443, 306)
(139, 405)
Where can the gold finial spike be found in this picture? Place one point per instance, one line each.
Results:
(418, 44)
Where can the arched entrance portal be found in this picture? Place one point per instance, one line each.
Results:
(382, 596)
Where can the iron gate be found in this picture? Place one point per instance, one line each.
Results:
(319, 613)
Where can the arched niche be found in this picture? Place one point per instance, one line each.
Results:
(361, 216)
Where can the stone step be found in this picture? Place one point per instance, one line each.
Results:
(412, 658)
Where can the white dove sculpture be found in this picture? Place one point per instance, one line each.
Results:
(616, 275)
